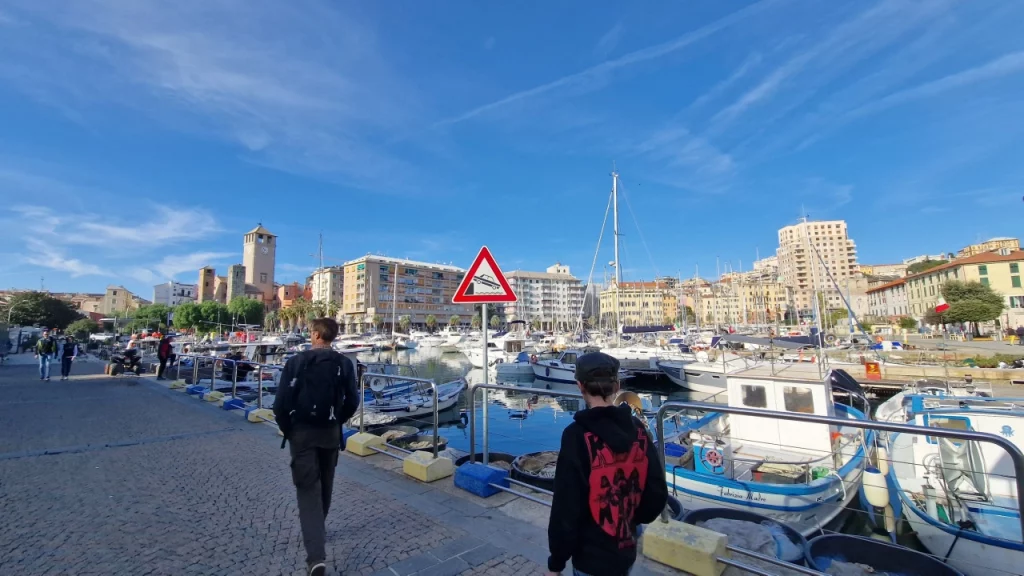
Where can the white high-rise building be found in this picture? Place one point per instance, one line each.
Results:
(174, 293)
(814, 256)
(327, 284)
(554, 298)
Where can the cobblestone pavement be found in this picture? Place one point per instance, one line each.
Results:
(100, 476)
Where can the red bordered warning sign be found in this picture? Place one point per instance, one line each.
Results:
(484, 283)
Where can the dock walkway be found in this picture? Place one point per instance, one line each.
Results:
(98, 476)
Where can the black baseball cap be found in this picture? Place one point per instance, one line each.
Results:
(596, 366)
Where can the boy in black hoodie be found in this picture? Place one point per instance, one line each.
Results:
(609, 479)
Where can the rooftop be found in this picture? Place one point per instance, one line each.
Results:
(886, 286)
(405, 262)
(259, 229)
(539, 275)
(983, 258)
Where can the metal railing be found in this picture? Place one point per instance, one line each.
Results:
(1015, 453)
(472, 411)
(385, 379)
(198, 358)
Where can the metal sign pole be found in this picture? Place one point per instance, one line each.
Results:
(483, 324)
(259, 387)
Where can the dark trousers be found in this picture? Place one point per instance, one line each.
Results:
(65, 366)
(314, 458)
(160, 370)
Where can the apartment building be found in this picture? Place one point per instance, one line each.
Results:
(897, 270)
(173, 293)
(888, 301)
(1001, 271)
(993, 245)
(926, 258)
(640, 303)
(554, 297)
(118, 300)
(743, 298)
(809, 253)
(327, 284)
(423, 289)
(287, 293)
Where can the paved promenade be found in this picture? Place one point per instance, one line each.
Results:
(98, 476)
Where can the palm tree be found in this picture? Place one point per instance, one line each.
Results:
(475, 322)
(378, 321)
(318, 309)
(404, 322)
(301, 309)
(536, 324)
(285, 317)
(592, 321)
(270, 320)
(495, 322)
(431, 322)
(454, 321)
(333, 309)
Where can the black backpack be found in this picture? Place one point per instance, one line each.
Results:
(318, 391)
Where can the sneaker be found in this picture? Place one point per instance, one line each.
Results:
(47, 378)
(317, 569)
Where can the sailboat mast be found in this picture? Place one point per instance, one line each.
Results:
(615, 232)
(394, 304)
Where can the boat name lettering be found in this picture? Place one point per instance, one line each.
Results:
(751, 496)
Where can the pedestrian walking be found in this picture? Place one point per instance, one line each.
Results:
(608, 479)
(1020, 335)
(164, 353)
(46, 350)
(68, 354)
(316, 396)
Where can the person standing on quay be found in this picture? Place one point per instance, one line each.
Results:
(316, 395)
(608, 479)
(46, 350)
(164, 352)
(68, 354)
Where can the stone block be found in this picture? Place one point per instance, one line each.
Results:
(259, 415)
(362, 444)
(212, 396)
(178, 385)
(347, 433)
(195, 390)
(685, 547)
(233, 404)
(476, 479)
(424, 467)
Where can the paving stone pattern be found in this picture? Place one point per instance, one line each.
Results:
(101, 477)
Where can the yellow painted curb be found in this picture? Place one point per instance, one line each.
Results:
(178, 385)
(424, 467)
(686, 547)
(361, 444)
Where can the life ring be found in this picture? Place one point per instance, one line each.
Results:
(830, 338)
(533, 358)
(713, 458)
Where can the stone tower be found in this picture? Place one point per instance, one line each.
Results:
(207, 284)
(236, 282)
(259, 253)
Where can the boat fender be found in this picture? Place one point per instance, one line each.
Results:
(533, 358)
(547, 371)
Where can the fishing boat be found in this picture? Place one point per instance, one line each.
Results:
(520, 368)
(417, 403)
(960, 497)
(797, 473)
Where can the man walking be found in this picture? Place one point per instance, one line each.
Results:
(164, 352)
(68, 354)
(317, 394)
(1020, 335)
(46, 350)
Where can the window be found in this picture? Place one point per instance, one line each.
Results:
(263, 277)
(983, 270)
(798, 399)
(754, 396)
(1016, 301)
(949, 423)
(984, 281)
(1015, 281)
(1014, 269)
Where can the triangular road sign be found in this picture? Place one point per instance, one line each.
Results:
(484, 283)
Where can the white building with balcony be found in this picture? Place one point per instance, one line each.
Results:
(553, 298)
(173, 293)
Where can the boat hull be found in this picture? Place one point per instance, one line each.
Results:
(548, 373)
(705, 382)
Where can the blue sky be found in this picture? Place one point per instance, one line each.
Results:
(139, 140)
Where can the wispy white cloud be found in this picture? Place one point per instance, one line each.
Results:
(301, 87)
(724, 86)
(170, 267)
(41, 253)
(595, 73)
(676, 146)
(609, 41)
(1006, 65)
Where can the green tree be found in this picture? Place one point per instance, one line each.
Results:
(404, 323)
(318, 308)
(495, 322)
(971, 303)
(270, 320)
(908, 323)
(536, 324)
(475, 322)
(431, 322)
(867, 327)
(836, 316)
(918, 267)
(213, 316)
(38, 308)
(287, 317)
(300, 311)
(82, 327)
(933, 318)
(333, 309)
(246, 311)
(378, 321)
(153, 316)
(592, 321)
(187, 316)
(454, 321)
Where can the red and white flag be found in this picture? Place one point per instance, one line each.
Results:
(941, 306)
